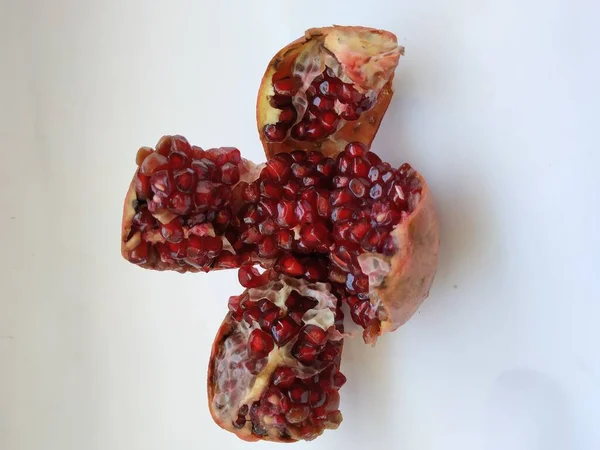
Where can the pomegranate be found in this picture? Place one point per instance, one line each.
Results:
(327, 219)
(328, 88)
(274, 371)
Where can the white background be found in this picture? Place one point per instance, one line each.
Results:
(495, 104)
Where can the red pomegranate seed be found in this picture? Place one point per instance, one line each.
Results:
(270, 189)
(298, 155)
(250, 214)
(286, 86)
(206, 170)
(230, 174)
(260, 344)
(172, 231)
(355, 149)
(226, 260)
(251, 235)
(322, 104)
(304, 353)
(317, 397)
(268, 247)
(373, 159)
(297, 414)
(152, 163)
(374, 174)
(339, 380)
(374, 237)
(239, 422)
(342, 258)
(304, 211)
(299, 131)
(357, 187)
(350, 113)
(235, 303)
(302, 170)
(267, 207)
(195, 247)
(204, 196)
(314, 156)
(340, 181)
(275, 132)
(139, 255)
(178, 251)
(347, 93)
(250, 277)
(223, 217)
(330, 87)
(267, 319)
(333, 401)
(314, 130)
(143, 220)
(283, 330)
(277, 169)
(142, 186)
(314, 235)
(280, 101)
(252, 315)
(314, 335)
(341, 214)
(285, 214)
(312, 180)
(267, 227)
(288, 115)
(177, 160)
(283, 377)
(213, 245)
(359, 230)
(291, 189)
(326, 167)
(161, 182)
(341, 197)
(285, 239)
(384, 213)
(330, 120)
(250, 192)
(360, 167)
(343, 163)
(299, 394)
(341, 231)
(361, 283)
(376, 191)
(185, 180)
(180, 203)
(289, 265)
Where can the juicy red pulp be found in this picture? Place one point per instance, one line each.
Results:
(329, 102)
(293, 403)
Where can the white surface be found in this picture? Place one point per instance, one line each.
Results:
(494, 104)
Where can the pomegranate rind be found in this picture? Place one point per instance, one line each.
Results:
(412, 268)
(369, 43)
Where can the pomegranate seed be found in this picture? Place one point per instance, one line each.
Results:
(359, 230)
(297, 414)
(178, 251)
(339, 181)
(343, 163)
(299, 131)
(387, 176)
(267, 319)
(285, 214)
(195, 247)
(374, 174)
(304, 212)
(226, 260)
(322, 201)
(341, 197)
(267, 207)
(285, 239)
(280, 101)
(299, 394)
(275, 132)
(143, 220)
(342, 258)
(371, 241)
(339, 380)
(314, 235)
(350, 113)
(367, 103)
(277, 169)
(283, 377)
(314, 156)
(172, 231)
(185, 180)
(384, 214)
(229, 155)
(287, 86)
(333, 401)
(322, 104)
(341, 214)
(317, 397)
(180, 203)
(223, 217)
(360, 167)
(250, 192)
(260, 344)
(270, 189)
(230, 174)
(161, 182)
(314, 130)
(330, 87)
(376, 191)
(288, 115)
(252, 315)
(139, 255)
(314, 335)
(298, 155)
(250, 214)
(355, 149)
(361, 283)
(206, 170)
(289, 265)
(267, 227)
(284, 329)
(239, 422)
(302, 170)
(204, 196)
(347, 93)
(326, 167)
(251, 235)
(152, 163)
(268, 247)
(213, 245)
(358, 187)
(330, 120)
(304, 353)
(235, 303)
(142, 186)
(398, 197)
(177, 160)
(330, 353)
(290, 189)
(373, 159)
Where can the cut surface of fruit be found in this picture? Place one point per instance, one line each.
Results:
(327, 88)
(278, 379)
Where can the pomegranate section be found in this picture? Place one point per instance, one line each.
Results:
(278, 379)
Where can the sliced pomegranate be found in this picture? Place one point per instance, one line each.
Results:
(333, 84)
(263, 387)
